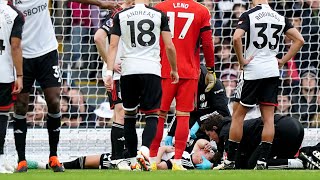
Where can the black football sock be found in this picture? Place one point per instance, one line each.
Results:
(150, 129)
(53, 126)
(20, 133)
(232, 149)
(265, 149)
(75, 164)
(130, 134)
(3, 130)
(117, 140)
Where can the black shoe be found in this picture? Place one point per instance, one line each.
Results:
(261, 165)
(316, 156)
(229, 165)
(308, 162)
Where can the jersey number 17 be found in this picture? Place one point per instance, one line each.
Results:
(188, 16)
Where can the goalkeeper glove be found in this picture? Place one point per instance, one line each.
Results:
(194, 130)
(168, 141)
(206, 164)
(211, 79)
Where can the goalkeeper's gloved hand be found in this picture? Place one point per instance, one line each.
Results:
(211, 79)
(206, 164)
(168, 141)
(194, 130)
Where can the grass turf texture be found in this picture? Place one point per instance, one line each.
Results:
(165, 175)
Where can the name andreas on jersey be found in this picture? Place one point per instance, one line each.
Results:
(139, 28)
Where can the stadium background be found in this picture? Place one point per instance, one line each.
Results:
(83, 91)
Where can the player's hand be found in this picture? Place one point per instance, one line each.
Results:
(280, 63)
(117, 68)
(108, 5)
(108, 83)
(18, 85)
(206, 164)
(174, 77)
(168, 141)
(245, 62)
(207, 147)
(210, 80)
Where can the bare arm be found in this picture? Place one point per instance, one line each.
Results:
(162, 150)
(237, 44)
(298, 42)
(16, 52)
(170, 49)
(200, 144)
(112, 51)
(100, 38)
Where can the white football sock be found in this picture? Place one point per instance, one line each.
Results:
(295, 164)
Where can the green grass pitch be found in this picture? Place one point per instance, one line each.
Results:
(165, 175)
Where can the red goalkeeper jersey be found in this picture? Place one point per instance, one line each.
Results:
(188, 20)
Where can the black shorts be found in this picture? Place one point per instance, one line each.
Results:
(115, 95)
(142, 90)
(44, 69)
(6, 98)
(259, 91)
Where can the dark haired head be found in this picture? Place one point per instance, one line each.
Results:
(212, 123)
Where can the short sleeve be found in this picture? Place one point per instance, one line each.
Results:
(116, 29)
(107, 24)
(244, 22)
(287, 25)
(206, 21)
(164, 22)
(17, 26)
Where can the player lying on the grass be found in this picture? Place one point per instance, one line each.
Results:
(202, 151)
(207, 102)
(289, 134)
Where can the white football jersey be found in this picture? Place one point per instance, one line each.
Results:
(38, 36)
(11, 22)
(139, 28)
(263, 27)
(186, 159)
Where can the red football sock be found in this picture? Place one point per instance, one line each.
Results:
(157, 140)
(181, 135)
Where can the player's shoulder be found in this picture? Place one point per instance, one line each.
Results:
(252, 10)
(154, 9)
(123, 11)
(20, 15)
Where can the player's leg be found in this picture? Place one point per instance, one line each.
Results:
(5, 104)
(130, 93)
(20, 111)
(247, 99)
(49, 77)
(268, 100)
(150, 105)
(168, 93)
(117, 129)
(185, 103)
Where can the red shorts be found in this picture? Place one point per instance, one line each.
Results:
(185, 93)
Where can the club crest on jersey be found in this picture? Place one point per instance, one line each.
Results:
(109, 23)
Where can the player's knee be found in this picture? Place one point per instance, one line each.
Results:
(181, 113)
(53, 104)
(21, 108)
